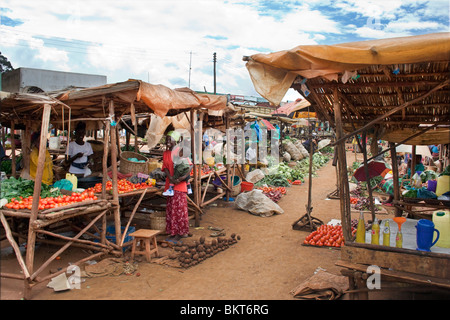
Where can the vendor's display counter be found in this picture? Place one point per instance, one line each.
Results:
(401, 265)
(80, 218)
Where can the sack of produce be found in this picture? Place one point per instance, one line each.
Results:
(254, 176)
(286, 157)
(304, 153)
(255, 202)
(292, 150)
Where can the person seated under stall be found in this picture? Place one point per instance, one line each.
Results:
(79, 153)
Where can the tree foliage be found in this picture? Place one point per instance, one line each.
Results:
(5, 65)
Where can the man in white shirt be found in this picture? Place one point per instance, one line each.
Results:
(79, 152)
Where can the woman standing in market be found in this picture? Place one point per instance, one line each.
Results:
(177, 221)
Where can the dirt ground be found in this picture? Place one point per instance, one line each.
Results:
(266, 264)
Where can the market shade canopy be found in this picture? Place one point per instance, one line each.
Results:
(160, 99)
(293, 106)
(391, 88)
(375, 169)
(422, 150)
(273, 74)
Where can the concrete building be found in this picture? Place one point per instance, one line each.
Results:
(36, 80)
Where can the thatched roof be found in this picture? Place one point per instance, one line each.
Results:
(394, 87)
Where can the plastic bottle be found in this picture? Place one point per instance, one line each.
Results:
(399, 239)
(386, 234)
(375, 232)
(441, 220)
(361, 229)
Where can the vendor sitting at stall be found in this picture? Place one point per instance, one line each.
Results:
(79, 152)
(47, 175)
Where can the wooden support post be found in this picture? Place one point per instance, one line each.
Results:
(395, 177)
(36, 194)
(115, 186)
(26, 147)
(228, 157)
(106, 135)
(343, 178)
(196, 159)
(13, 149)
(366, 172)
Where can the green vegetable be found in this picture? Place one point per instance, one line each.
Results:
(15, 188)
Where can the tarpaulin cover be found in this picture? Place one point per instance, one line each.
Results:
(273, 74)
(162, 99)
(290, 107)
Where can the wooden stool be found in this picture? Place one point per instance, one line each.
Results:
(145, 238)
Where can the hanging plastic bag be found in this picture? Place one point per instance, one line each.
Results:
(416, 181)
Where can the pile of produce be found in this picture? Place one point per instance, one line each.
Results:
(326, 236)
(193, 253)
(273, 193)
(359, 201)
(23, 188)
(21, 203)
(123, 185)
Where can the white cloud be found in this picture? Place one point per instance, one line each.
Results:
(153, 39)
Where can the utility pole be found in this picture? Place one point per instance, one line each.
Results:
(214, 60)
(190, 63)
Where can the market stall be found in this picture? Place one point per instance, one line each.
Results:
(101, 108)
(395, 90)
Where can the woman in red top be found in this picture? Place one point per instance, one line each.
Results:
(177, 221)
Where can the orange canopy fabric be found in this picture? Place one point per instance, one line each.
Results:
(273, 74)
(162, 99)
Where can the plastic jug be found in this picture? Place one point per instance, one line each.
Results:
(425, 231)
(441, 219)
(72, 178)
(443, 185)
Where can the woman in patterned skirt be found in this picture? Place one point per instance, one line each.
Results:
(177, 221)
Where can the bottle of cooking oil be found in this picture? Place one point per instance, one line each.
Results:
(361, 229)
(386, 234)
(375, 232)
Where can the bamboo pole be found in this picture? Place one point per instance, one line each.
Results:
(105, 158)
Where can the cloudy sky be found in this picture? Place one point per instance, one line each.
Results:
(171, 42)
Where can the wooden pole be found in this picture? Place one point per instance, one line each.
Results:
(395, 177)
(13, 149)
(196, 190)
(115, 187)
(366, 172)
(37, 191)
(14, 246)
(343, 178)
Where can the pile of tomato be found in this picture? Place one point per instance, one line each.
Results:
(50, 202)
(270, 189)
(326, 236)
(123, 186)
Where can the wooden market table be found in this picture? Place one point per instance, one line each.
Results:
(46, 225)
(399, 265)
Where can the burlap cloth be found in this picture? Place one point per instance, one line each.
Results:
(321, 286)
(109, 267)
